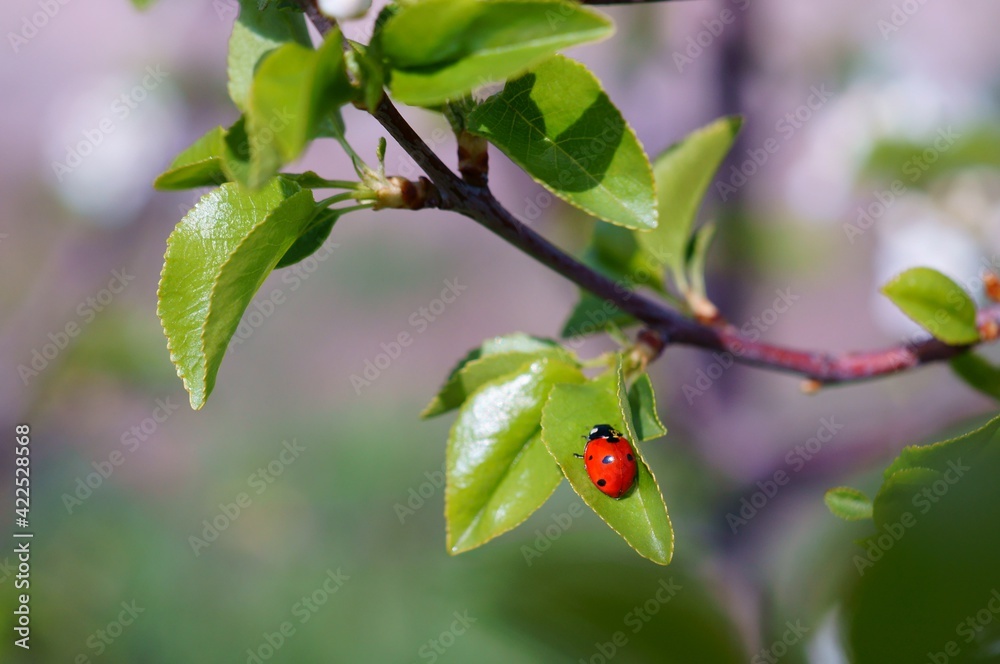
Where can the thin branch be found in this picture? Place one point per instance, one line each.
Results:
(479, 204)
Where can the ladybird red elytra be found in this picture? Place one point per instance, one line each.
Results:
(610, 461)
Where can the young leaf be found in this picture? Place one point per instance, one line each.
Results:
(978, 373)
(848, 504)
(294, 89)
(311, 240)
(198, 166)
(557, 124)
(640, 516)
(257, 32)
(221, 155)
(216, 260)
(642, 403)
(682, 175)
(936, 303)
(440, 50)
(496, 357)
(498, 471)
(697, 255)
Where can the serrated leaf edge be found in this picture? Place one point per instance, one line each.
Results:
(648, 170)
(626, 418)
(211, 298)
(451, 431)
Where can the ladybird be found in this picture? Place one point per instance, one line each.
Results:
(610, 461)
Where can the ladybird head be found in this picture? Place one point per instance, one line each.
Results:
(604, 431)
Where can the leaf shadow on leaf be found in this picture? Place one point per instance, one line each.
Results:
(238, 142)
(559, 163)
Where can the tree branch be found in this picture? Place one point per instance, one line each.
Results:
(478, 203)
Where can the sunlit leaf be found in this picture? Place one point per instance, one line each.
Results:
(640, 516)
(496, 357)
(294, 89)
(257, 32)
(557, 124)
(442, 50)
(498, 470)
(683, 174)
(936, 303)
(216, 260)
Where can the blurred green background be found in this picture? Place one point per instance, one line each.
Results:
(359, 508)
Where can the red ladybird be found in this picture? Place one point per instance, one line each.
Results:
(610, 461)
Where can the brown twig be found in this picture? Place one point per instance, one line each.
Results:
(479, 204)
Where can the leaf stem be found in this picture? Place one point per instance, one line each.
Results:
(346, 196)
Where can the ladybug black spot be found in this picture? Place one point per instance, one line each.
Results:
(607, 459)
(590, 458)
(630, 457)
(601, 482)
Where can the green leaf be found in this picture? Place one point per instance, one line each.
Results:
(697, 255)
(919, 163)
(294, 90)
(370, 71)
(931, 562)
(311, 240)
(370, 59)
(848, 504)
(236, 156)
(683, 174)
(560, 127)
(640, 517)
(440, 50)
(498, 471)
(198, 166)
(142, 4)
(978, 373)
(642, 404)
(936, 303)
(895, 497)
(221, 155)
(216, 260)
(496, 357)
(616, 253)
(594, 314)
(256, 33)
(939, 455)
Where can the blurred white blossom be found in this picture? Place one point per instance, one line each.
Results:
(344, 9)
